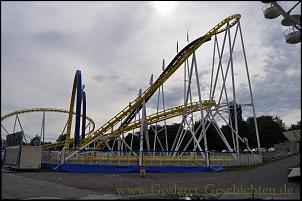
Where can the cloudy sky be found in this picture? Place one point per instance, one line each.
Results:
(118, 45)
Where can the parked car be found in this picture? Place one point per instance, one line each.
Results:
(255, 150)
(271, 149)
(226, 150)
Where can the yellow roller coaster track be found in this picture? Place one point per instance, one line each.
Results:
(157, 117)
(154, 118)
(180, 58)
(47, 110)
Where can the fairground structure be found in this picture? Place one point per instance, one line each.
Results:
(216, 106)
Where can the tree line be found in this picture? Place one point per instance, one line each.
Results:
(269, 128)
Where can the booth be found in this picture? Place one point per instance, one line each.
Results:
(20, 156)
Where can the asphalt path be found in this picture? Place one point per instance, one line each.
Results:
(266, 181)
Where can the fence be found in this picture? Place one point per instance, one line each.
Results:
(282, 150)
(53, 157)
(151, 158)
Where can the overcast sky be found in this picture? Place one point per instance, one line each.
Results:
(118, 45)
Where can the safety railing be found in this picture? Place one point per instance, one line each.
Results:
(155, 158)
(282, 150)
(231, 158)
(53, 157)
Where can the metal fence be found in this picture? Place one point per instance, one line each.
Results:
(232, 159)
(53, 157)
(150, 158)
(282, 150)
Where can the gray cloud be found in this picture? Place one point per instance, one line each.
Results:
(117, 83)
(118, 45)
(53, 39)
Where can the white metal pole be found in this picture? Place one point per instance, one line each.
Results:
(250, 88)
(5, 129)
(213, 65)
(15, 124)
(226, 96)
(177, 135)
(234, 92)
(43, 127)
(183, 134)
(164, 108)
(214, 87)
(221, 135)
(125, 143)
(131, 143)
(217, 73)
(41, 135)
(162, 148)
(201, 111)
(122, 145)
(155, 131)
(19, 123)
(165, 124)
(185, 103)
(119, 146)
(194, 137)
(141, 145)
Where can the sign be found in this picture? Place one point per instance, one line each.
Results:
(14, 139)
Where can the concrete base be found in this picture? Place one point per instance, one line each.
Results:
(142, 171)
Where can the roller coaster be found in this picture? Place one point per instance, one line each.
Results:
(43, 110)
(126, 120)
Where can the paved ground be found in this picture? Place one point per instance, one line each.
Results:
(268, 181)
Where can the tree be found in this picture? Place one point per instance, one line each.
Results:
(270, 131)
(280, 123)
(244, 130)
(296, 126)
(61, 138)
(214, 140)
(35, 141)
(232, 113)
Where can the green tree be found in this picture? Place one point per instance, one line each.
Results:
(280, 123)
(270, 131)
(61, 138)
(35, 141)
(296, 126)
(244, 130)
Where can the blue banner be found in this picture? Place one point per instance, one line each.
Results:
(127, 169)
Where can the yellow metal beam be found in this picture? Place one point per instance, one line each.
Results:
(48, 146)
(220, 27)
(152, 158)
(157, 117)
(154, 118)
(69, 121)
